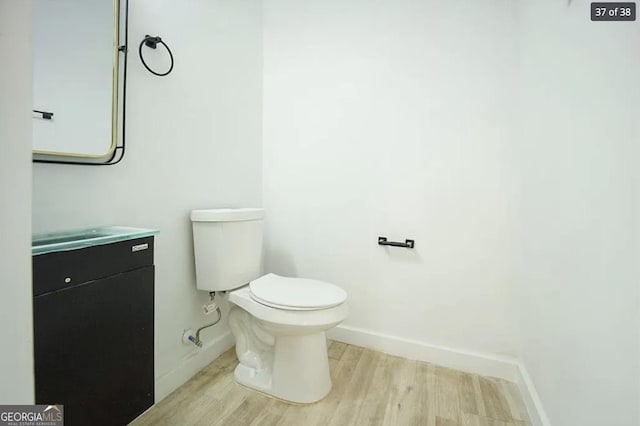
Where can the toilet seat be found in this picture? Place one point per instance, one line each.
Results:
(296, 294)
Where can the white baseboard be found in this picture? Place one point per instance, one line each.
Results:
(503, 367)
(484, 364)
(532, 401)
(191, 365)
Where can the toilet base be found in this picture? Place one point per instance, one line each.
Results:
(300, 370)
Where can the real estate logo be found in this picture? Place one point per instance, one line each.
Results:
(31, 415)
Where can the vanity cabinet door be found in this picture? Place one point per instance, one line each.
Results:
(93, 347)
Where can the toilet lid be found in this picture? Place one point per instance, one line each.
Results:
(296, 293)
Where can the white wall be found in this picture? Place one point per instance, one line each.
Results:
(193, 141)
(392, 118)
(16, 335)
(578, 153)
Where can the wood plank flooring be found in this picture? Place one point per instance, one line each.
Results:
(369, 388)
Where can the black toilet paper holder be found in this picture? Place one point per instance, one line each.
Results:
(382, 241)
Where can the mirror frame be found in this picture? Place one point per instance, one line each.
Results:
(115, 153)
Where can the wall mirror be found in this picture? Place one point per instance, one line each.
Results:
(79, 81)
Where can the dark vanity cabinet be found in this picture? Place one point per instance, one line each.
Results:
(93, 331)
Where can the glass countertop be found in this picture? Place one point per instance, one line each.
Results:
(81, 238)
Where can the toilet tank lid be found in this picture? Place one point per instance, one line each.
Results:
(226, 214)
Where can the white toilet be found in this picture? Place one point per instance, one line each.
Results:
(278, 322)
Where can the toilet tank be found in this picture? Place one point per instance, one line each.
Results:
(227, 244)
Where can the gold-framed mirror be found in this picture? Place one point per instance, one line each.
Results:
(79, 81)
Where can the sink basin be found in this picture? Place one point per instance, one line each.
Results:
(80, 238)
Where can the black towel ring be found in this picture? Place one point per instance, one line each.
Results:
(153, 42)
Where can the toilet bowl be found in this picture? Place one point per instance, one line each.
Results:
(279, 324)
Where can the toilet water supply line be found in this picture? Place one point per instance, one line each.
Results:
(196, 340)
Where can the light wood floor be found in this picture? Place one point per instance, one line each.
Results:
(369, 388)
